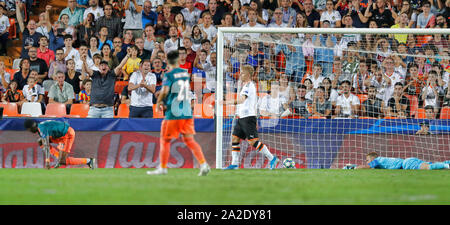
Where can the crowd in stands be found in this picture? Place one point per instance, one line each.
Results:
(94, 45)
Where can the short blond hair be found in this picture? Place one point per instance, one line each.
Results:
(373, 154)
(249, 69)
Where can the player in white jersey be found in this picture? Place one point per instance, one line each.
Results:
(246, 123)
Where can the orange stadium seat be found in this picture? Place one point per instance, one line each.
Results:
(79, 110)
(198, 110)
(156, 114)
(12, 29)
(55, 110)
(10, 109)
(317, 117)
(123, 111)
(445, 113)
(118, 87)
(420, 113)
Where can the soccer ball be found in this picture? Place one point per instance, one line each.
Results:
(288, 163)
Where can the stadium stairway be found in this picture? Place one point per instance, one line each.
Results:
(38, 7)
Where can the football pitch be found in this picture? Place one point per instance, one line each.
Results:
(239, 187)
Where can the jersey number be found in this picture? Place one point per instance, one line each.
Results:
(183, 93)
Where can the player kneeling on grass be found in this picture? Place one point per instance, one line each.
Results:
(376, 162)
(246, 123)
(175, 98)
(59, 133)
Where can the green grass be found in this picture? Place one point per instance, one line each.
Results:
(182, 186)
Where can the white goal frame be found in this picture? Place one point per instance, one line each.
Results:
(220, 49)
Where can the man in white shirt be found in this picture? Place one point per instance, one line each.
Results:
(278, 19)
(174, 42)
(94, 9)
(69, 51)
(271, 105)
(245, 127)
(191, 14)
(252, 18)
(316, 76)
(208, 28)
(142, 86)
(83, 50)
(347, 104)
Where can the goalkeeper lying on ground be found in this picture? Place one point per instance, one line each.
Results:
(376, 162)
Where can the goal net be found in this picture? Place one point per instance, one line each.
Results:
(327, 97)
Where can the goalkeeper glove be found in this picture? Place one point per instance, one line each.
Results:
(40, 142)
(349, 167)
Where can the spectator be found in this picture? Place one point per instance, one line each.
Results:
(69, 51)
(159, 73)
(262, 14)
(43, 52)
(96, 59)
(426, 19)
(142, 53)
(103, 38)
(309, 89)
(132, 63)
(30, 38)
(402, 23)
(133, 17)
(383, 50)
(37, 64)
(252, 22)
(331, 94)
(165, 19)
(430, 112)
(191, 54)
(277, 20)
(95, 9)
(174, 42)
(102, 94)
(182, 60)
(61, 92)
(74, 12)
(214, 11)
(58, 65)
(300, 106)
(271, 105)
(142, 86)
(410, 12)
(321, 107)
(331, 15)
(119, 51)
(12, 6)
(316, 77)
(149, 16)
(288, 13)
(373, 106)
(398, 102)
(83, 50)
(431, 92)
(323, 51)
(380, 13)
(360, 77)
(125, 96)
(357, 15)
(237, 18)
(295, 60)
(73, 77)
(93, 47)
(110, 21)
(149, 37)
(4, 31)
(191, 13)
(13, 94)
(347, 104)
(197, 36)
(22, 75)
(439, 42)
(107, 55)
(33, 92)
(84, 96)
(351, 63)
(5, 77)
(441, 21)
(312, 16)
(208, 27)
(63, 25)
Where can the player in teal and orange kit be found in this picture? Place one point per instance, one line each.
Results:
(59, 133)
(175, 100)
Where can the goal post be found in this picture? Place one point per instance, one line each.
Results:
(334, 140)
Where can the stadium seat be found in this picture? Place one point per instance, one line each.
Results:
(79, 110)
(366, 117)
(362, 98)
(293, 117)
(445, 113)
(420, 113)
(123, 112)
(208, 105)
(156, 114)
(10, 71)
(390, 117)
(31, 108)
(12, 29)
(10, 109)
(55, 110)
(118, 87)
